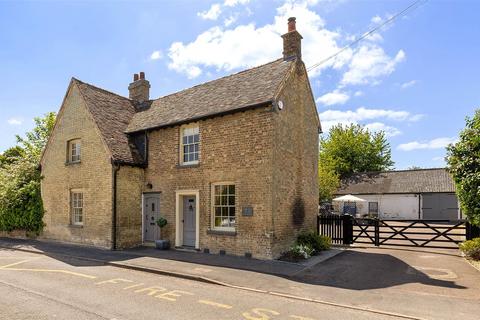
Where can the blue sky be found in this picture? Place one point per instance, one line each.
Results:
(417, 79)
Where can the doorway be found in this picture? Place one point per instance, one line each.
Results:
(151, 213)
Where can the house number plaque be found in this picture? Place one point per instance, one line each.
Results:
(247, 211)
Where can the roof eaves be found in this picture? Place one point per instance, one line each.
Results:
(204, 117)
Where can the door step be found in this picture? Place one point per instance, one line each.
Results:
(187, 249)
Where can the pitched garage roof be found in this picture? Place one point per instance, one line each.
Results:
(404, 181)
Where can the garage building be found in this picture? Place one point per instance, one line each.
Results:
(405, 194)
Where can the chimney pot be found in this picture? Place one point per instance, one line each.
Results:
(292, 41)
(292, 24)
(139, 89)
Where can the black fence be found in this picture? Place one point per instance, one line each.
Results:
(346, 229)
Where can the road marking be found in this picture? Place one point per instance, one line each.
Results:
(260, 312)
(300, 318)
(55, 271)
(151, 290)
(13, 264)
(215, 304)
(133, 286)
(171, 295)
(444, 273)
(115, 280)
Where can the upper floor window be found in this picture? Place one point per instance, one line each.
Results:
(223, 196)
(190, 145)
(76, 207)
(74, 150)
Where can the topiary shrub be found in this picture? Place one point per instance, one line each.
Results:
(471, 248)
(313, 240)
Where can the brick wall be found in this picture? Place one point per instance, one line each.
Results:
(129, 206)
(233, 148)
(295, 200)
(93, 175)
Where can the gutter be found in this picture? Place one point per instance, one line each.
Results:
(204, 117)
(116, 168)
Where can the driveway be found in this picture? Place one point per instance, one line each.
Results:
(433, 284)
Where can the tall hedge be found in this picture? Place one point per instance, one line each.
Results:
(20, 197)
(463, 160)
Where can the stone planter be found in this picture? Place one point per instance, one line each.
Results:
(162, 244)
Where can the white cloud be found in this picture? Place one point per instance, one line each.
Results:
(212, 13)
(438, 158)
(379, 126)
(408, 84)
(156, 55)
(245, 45)
(330, 118)
(334, 97)
(358, 93)
(228, 21)
(369, 63)
(233, 3)
(15, 121)
(438, 143)
(376, 19)
(362, 114)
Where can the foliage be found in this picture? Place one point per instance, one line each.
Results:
(328, 181)
(300, 251)
(20, 198)
(313, 240)
(471, 248)
(463, 160)
(352, 148)
(161, 222)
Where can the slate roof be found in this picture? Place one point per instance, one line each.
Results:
(405, 181)
(118, 117)
(112, 113)
(231, 93)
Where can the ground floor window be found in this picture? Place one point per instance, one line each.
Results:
(76, 207)
(223, 206)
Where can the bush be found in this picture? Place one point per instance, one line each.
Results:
(297, 253)
(316, 242)
(471, 248)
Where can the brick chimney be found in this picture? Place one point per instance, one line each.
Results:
(139, 89)
(292, 41)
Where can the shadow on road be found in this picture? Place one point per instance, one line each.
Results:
(354, 270)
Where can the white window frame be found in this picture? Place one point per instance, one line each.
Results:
(194, 130)
(213, 206)
(74, 154)
(76, 207)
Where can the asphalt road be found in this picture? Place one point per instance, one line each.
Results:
(40, 287)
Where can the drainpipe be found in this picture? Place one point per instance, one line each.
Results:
(116, 167)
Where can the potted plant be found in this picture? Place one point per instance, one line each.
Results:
(162, 244)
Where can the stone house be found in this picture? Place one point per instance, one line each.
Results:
(231, 163)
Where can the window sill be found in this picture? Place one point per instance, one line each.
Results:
(75, 226)
(72, 163)
(188, 165)
(222, 232)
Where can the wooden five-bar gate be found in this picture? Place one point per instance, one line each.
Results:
(446, 234)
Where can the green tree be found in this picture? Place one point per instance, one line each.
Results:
(350, 149)
(20, 199)
(463, 159)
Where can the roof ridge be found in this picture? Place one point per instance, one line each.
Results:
(101, 89)
(403, 170)
(218, 79)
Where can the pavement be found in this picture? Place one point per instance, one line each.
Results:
(415, 284)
